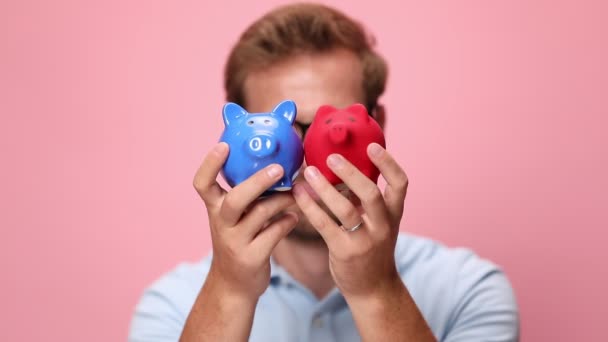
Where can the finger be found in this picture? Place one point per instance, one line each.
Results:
(205, 178)
(236, 200)
(267, 239)
(344, 210)
(396, 179)
(367, 191)
(317, 217)
(261, 212)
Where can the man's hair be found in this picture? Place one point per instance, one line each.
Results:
(302, 28)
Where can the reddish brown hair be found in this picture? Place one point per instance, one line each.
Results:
(308, 28)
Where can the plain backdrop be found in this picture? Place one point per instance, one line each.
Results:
(496, 110)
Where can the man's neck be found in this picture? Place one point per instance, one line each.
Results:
(307, 262)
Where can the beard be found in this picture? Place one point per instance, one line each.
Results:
(305, 232)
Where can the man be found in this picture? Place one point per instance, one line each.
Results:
(313, 264)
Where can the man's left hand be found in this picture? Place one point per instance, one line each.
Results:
(362, 261)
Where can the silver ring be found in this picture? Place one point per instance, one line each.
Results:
(350, 230)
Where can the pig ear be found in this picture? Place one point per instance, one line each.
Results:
(324, 110)
(359, 111)
(232, 112)
(286, 109)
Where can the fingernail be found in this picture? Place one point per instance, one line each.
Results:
(273, 171)
(220, 148)
(312, 172)
(375, 150)
(334, 160)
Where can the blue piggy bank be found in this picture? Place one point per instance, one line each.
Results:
(257, 140)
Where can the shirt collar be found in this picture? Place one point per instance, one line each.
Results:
(278, 274)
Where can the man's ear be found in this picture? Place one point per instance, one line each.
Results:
(379, 114)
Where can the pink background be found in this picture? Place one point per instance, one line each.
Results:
(497, 110)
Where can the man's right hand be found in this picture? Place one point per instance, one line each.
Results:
(242, 243)
(244, 231)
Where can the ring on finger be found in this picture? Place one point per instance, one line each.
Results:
(354, 228)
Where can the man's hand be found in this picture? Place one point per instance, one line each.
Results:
(241, 245)
(244, 231)
(362, 262)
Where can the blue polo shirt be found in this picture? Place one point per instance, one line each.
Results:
(461, 296)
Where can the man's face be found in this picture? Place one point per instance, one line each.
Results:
(311, 80)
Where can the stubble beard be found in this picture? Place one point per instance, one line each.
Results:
(304, 232)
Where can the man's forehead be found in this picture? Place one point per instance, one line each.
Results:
(311, 81)
(308, 96)
(306, 111)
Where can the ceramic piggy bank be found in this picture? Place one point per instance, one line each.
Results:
(344, 131)
(257, 140)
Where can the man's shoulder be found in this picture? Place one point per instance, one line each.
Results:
(166, 303)
(451, 286)
(430, 265)
(415, 254)
(184, 280)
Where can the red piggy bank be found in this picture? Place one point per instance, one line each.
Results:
(347, 132)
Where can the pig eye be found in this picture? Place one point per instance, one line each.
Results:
(328, 121)
(351, 119)
(267, 122)
(250, 122)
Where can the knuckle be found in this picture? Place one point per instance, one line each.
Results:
(232, 251)
(305, 204)
(229, 199)
(324, 222)
(264, 210)
(350, 211)
(246, 262)
(380, 237)
(351, 256)
(350, 171)
(281, 200)
(342, 257)
(228, 205)
(358, 251)
(198, 184)
(373, 194)
(363, 250)
(401, 182)
(383, 158)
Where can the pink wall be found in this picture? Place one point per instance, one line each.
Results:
(497, 111)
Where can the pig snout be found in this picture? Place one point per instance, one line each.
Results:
(262, 145)
(338, 133)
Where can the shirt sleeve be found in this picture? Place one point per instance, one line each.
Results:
(163, 308)
(155, 319)
(486, 310)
